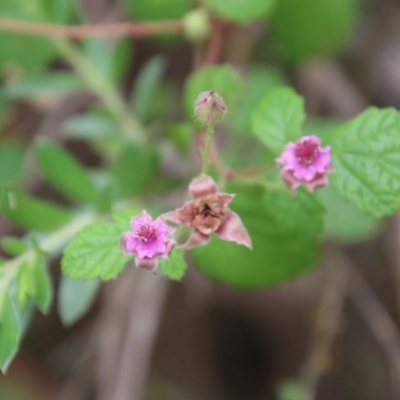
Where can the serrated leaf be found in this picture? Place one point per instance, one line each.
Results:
(278, 118)
(64, 172)
(241, 11)
(277, 256)
(222, 78)
(9, 331)
(13, 246)
(75, 298)
(366, 161)
(31, 213)
(300, 213)
(176, 266)
(94, 253)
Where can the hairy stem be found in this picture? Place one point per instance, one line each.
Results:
(96, 30)
(207, 147)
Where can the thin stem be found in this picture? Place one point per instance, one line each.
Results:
(130, 126)
(96, 30)
(207, 147)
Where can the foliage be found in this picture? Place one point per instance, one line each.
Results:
(145, 147)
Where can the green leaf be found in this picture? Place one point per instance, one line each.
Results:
(157, 9)
(75, 298)
(31, 213)
(147, 87)
(278, 253)
(47, 83)
(64, 172)
(122, 218)
(43, 287)
(241, 11)
(259, 82)
(109, 57)
(16, 50)
(34, 282)
(278, 118)
(222, 78)
(13, 246)
(344, 221)
(300, 213)
(94, 253)
(175, 267)
(11, 157)
(310, 28)
(90, 127)
(366, 161)
(134, 169)
(9, 331)
(292, 390)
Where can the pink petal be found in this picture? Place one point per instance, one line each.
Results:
(170, 245)
(196, 239)
(318, 182)
(233, 230)
(183, 215)
(149, 264)
(291, 182)
(225, 198)
(202, 186)
(123, 240)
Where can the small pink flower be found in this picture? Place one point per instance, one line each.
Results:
(208, 213)
(305, 162)
(148, 240)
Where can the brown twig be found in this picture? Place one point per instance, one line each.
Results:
(375, 315)
(326, 326)
(137, 30)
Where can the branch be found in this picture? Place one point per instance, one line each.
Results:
(136, 30)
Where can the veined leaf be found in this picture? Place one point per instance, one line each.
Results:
(94, 253)
(366, 161)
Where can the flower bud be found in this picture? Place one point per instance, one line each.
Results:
(209, 107)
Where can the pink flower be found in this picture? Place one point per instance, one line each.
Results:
(209, 213)
(148, 240)
(305, 162)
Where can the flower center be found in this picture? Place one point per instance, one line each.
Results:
(306, 152)
(145, 233)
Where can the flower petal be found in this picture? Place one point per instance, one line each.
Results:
(149, 264)
(196, 239)
(233, 230)
(183, 215)
(202, 186)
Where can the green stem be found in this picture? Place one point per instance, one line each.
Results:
(207, 147)
(130, 126)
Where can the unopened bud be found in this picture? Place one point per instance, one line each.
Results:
(209, 107)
